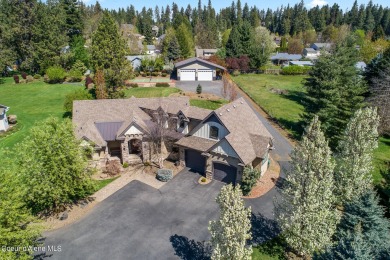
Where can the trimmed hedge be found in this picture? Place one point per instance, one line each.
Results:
(295, 70)
(164, 175)
(162, 84)
(249, 179)
(55, 74)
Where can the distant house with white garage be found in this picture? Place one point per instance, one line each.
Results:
(151, 49)
(196, 69)
(3, 118)
(205, 53)
(301, 63)
(321, 46)
(310, 53)
(284, 57)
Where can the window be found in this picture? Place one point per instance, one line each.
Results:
(182, 124)
(214, 132)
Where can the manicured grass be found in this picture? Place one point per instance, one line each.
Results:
(287, 108)
(273, 249)
(208, 104)
(99, 184)
(381, 156)
(147, 92)
(32, 102)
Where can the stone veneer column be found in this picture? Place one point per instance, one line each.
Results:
(125, 149)
(182, 156)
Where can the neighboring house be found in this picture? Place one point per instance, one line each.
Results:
(139, 36)
(155, 29)
(284, 57)
(196, 69)
(216, 143)
(321, 46)
(301, 63)
(310, 53)
(205, 53)
(151, 49)
(135, 61)
(277, 40)
(3, 118)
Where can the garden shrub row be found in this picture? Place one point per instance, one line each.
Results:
(162, 84)
(296, 70)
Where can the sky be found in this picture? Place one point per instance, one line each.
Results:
(218, 4)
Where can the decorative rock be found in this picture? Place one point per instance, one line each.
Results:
(12, 119)
(63, 215)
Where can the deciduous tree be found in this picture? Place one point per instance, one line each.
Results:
(305, 211)
(231, 231)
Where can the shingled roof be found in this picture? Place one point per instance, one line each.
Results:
(247, 134)
(195, 59)
(99, 120)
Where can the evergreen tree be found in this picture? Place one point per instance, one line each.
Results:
(234, 44)
(100, 85)
(52, 166)
(231, 231)
(354, 161)
(79, 51)
(367, 216)
(305, 211)
(108, 51)
(73, 22)
(334, 90)
(184, 38)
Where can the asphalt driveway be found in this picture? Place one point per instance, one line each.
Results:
(211, 87)
(140, 222)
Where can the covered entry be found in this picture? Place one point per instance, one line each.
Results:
(195, 160)
(224, 172)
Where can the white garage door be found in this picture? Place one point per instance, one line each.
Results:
(187, 75)
(205, 75)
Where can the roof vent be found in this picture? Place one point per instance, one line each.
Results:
(220, 114)
(241, 102)
(228, 110)
(234, 106)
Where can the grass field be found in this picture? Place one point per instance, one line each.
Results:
(31, 103)
(150, 92)
(208, 104)
(287, 108)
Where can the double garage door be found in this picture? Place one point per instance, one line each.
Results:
(189, 75)
(222, 172)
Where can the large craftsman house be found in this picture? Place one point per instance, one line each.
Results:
(217, 144)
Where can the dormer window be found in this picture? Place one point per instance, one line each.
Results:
(182, 124)
(214, 132)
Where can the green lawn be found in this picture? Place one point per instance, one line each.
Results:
(99, 184)
(286, 109)
(32, 102)
(147, 92)
(208, 104)
(273, 249)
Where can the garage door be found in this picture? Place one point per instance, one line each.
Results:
(195, 160)
(205, 75)
(187, 75)
(225, 173)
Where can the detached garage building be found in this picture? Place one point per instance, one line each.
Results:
(196, 69)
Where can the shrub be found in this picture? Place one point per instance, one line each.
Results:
(155, 73)
(88, 80)
(55, 74)
(164, 175)
(295, 70)
(164, 74)
(147, 163)
(37, 76)
(29, 78)
(22, 81)
(249, 179)
(113, 167)
(80, 94)
(75, 76)
(136, 73)
(24, 75)
(236, 73)
(125, 165)
(162, 84)
(16, 79)
(199, 89)
(133, 85)
(80, 67)
(203, 179)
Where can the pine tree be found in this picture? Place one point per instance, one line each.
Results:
(52, 166)
(305, 211)
(231, 231)
(367, 216)
(354, 161)
(334, 90)
(234, 44)
(74, 23)
(108, 51)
